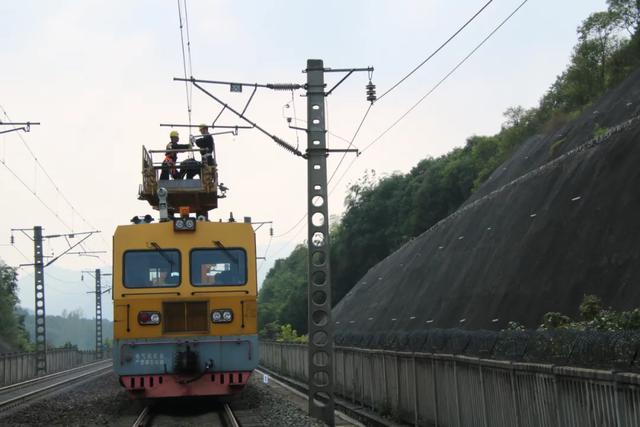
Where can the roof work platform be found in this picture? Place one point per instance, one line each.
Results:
(199, 194)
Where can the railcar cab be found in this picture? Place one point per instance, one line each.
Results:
(184, 307)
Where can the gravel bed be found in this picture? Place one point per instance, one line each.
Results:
(270, 407)
(103, 402)
(100, 402)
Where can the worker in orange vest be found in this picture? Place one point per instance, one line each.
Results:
(171, 157)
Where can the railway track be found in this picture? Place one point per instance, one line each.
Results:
(220, 415)
(20, 393)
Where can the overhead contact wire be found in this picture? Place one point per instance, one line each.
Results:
(36, 195)
(350, 143)
(184, 65)
(55, 185)
(437, 50)
(453, 70)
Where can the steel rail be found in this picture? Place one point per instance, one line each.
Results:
(143, 418)
(230, 417)
(41, 391)
(47, 377)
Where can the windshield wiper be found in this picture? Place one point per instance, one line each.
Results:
(219, 244)
(163, 255)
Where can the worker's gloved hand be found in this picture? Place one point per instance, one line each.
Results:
(192, 139)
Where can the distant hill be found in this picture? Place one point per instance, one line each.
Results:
(69, 328)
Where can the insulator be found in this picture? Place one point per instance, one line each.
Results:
(371, 92)
(284, 86)
(13, 239)
(271, 231)
(286, 146)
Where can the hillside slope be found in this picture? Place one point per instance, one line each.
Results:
(557, 220)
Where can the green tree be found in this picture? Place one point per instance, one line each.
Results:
(12, 331)
(598, 42)
(626, 14)
(590, 307)
(282, 296)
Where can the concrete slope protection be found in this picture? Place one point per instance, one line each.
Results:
(559, 219)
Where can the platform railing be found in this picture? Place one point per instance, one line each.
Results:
(448, 390)
(18, 367)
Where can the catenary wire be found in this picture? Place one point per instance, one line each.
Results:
(186, 22)
(296, 225)
(184, 65)
(436, 51)
(55, 186)
(408, 111)
(266, 251)
(453, 70)
(36, 196)
(21, 253)
(350, 144)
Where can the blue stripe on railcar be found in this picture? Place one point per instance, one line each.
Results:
(158, 355)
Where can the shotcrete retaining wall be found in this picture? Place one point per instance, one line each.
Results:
(549, 226)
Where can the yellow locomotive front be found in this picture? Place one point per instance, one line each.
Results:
(184, 307)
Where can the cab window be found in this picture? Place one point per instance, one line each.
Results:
(150, 269)
(218, 267)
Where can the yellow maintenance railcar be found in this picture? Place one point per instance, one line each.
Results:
(184, 293)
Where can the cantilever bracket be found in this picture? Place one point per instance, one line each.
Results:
(326, 151)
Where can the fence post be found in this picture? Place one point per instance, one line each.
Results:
(371, 375)
(556, 391)
(384, 380)
(616, 400)
(344, 374)
(415, 392)
(353, 379)
(514, 396)
(362, 396)
(435, 388)
(455, 377)
(485, 421)
(397, 362)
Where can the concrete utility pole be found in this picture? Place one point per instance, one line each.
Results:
(39, 265)
(320, 322)
(98, 315)
(98, 275)
(41, 336)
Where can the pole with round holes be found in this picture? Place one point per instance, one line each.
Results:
(321, 404)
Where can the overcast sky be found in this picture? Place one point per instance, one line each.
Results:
(98, 75)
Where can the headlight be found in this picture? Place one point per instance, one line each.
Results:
(184, 224)
(224, 315)
(149, 318)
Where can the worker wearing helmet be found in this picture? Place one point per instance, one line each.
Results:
(171, 157)
(207, 148)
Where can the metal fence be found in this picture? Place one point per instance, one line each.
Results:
(451, 390)
(17, 367)
(619, 350)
